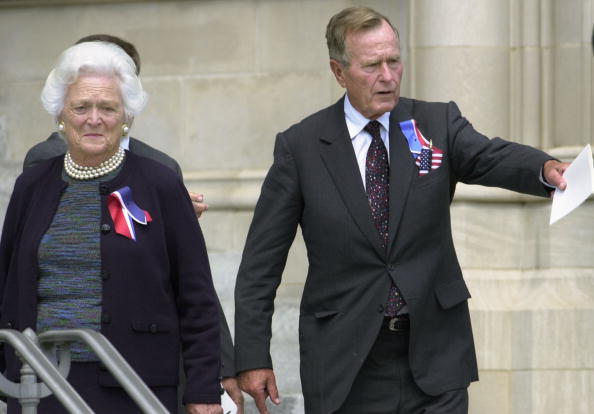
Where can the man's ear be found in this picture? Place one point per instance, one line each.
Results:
(338, 69)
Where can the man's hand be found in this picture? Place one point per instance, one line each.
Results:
(204, 409)
(260, 384)
(231, 385)
(552, 172)
(197, 201)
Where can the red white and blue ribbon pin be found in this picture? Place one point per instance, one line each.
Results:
(426, 156)
(124, 212)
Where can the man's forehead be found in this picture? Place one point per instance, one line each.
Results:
(377, 33)
(369, 29)
(370, 45)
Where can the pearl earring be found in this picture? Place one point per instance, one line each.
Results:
(61, 126)
(125, 130)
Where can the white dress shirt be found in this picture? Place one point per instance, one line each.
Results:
(361, 141)
(360, 138)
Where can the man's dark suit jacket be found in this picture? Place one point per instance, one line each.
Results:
(55, 146)
(314, 182)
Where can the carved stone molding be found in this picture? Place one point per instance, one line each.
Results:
(51, 3)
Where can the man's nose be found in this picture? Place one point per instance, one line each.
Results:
(386, 73)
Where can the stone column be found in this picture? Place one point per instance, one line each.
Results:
(460, 51)
(572, 64)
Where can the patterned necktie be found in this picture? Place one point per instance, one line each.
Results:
(377, 176)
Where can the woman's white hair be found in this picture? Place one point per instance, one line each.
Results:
(94, 58)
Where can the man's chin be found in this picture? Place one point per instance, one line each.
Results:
(387, 106)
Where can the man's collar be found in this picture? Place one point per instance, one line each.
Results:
(356, 122)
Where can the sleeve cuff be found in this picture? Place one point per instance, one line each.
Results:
(544, 182)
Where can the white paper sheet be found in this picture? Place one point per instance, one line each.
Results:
(228, 404)
(580, 184)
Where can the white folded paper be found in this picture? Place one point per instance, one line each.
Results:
(580, 184)
(228, 404)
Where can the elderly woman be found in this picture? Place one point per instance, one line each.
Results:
(104, 239)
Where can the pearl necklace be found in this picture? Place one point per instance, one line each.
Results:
(79, 172)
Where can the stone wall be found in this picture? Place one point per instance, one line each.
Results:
(225, 76)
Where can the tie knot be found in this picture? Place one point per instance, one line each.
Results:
(373, 128)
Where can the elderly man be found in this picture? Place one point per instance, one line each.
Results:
(384, 321)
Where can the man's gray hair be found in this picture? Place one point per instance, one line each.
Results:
(351, 19)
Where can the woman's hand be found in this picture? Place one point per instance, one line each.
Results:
(232, 387)
(204, 409)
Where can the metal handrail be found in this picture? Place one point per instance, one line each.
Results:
(110, 357)
(29, 391)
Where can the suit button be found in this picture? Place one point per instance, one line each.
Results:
(380, 308)
(9, 325)
(106, 318)
(105, 275)
(153, 328)
(105, 228)
(103, 189)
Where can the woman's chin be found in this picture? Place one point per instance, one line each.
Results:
(92, 152)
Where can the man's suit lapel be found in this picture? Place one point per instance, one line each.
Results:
(337, 153)
(402, 167)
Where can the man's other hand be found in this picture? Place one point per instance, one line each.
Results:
(198, 203)
(260, 384)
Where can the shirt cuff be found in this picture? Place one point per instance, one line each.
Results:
(543, 181)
